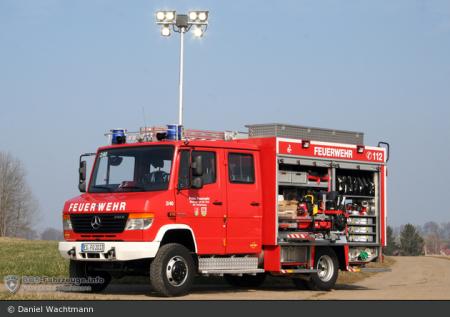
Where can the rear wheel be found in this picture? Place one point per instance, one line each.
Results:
(327, 265)
(81, 270)
(246, 280)
(172, 271)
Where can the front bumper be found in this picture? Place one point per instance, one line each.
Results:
(113, 251)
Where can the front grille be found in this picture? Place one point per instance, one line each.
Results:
(109, 223)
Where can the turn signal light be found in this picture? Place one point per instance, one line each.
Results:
(67, 224)
(140, 215)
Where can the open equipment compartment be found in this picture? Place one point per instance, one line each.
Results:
(359, 187)
(355, 188)
(300, 183)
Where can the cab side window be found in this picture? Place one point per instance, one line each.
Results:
(241, 169)
(209, 165)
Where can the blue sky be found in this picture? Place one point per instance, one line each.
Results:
(72, 70)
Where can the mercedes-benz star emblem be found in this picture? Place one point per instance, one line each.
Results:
(96, 222)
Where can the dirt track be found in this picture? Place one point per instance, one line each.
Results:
(423, 278)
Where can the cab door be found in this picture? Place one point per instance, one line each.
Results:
(202, 209)
(244, 202)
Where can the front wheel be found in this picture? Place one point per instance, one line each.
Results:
(172, 271)
(326, 264)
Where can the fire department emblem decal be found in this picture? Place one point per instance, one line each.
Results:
(12, 283)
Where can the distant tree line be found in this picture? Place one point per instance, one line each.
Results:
(430, 238)
(52, 234)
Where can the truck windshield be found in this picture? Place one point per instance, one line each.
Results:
(135, 169)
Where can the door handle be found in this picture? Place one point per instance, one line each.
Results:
(218, 203)
(254, 204)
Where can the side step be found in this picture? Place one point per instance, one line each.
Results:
(229, 265)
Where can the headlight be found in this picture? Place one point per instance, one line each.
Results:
(139, 221)
(67, 224)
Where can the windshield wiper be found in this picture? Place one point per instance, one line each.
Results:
(108, 189)
(132, 187)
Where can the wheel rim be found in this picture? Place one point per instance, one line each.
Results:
(325, 268)
(177, 271)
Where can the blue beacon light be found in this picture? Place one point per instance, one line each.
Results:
(118, 136)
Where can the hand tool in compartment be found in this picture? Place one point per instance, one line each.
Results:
(371, 187)
(355, 185)
(350, 184)
(360, 185)
(366, 185)
(340, 184)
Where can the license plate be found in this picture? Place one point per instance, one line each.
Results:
(92, 247)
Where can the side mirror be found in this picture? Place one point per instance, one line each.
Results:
(82, 177)
(82, 187)
(197, 182)
(197, 166)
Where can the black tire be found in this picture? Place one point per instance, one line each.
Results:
(327, 264)
(81, 270)
(300, 283)
(172, 271)
(246, 280)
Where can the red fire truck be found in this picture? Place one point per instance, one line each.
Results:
(291, 201)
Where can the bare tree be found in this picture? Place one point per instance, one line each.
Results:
(18, 207)
(433, 237)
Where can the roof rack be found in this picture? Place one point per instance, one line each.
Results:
(307, 133)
